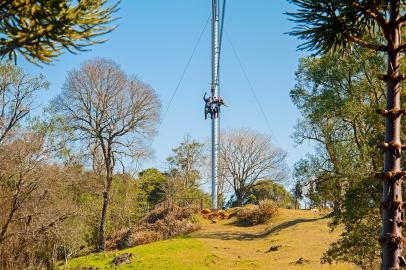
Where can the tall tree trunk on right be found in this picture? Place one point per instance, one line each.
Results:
(391, 238)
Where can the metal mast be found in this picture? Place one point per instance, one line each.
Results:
(215, 122)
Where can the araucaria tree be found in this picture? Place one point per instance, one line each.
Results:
(112, 113)
(40, 29)
(326, 26)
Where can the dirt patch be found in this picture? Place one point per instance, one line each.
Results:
(123, 259)
(214, 216)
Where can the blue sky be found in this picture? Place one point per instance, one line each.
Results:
(154, 40)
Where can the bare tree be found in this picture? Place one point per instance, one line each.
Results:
(247, 156)
(30, 208)
(222, 187)
(16, 93)
(19, 178)
(112, 113)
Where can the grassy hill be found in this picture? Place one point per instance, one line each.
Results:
(299, 237)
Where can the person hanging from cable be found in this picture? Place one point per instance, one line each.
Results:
(216, 104)
(221, 102)
(208, 106)
(212, 106)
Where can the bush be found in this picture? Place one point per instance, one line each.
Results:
(257, 214)
(159, 224)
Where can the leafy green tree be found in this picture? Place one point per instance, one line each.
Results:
(337, 96)
(326, 26)
(268, 189)
(297, 192)
(40, 29)
(361, 217)
(152, 183)
(186, 162)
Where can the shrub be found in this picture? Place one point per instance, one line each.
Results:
(257, 214)
(159, 224)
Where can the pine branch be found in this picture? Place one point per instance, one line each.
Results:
(374, 14)
(363, 43)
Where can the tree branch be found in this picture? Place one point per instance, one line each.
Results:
(363, 43)
(373, 14)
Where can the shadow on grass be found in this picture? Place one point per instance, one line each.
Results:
(226, 235)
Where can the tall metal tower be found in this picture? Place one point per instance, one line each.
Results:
(215, 97)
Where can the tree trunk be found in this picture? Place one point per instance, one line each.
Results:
(66, 258)
(220, 200)
(239, 198)
(101, 235)
(391, 238)
(102, 238)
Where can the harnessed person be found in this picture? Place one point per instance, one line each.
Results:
(212, 106)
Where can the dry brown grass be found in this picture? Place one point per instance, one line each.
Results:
(257, 214)
(159, 224)
(300, 236)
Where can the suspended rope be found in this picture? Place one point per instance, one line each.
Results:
(251, 87)
(184, 72)
(223, 12)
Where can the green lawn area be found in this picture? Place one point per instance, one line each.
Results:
(297, 233)
(180, 253)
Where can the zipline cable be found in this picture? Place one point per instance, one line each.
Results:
(251, 87)
(223, 12)
(184, 72)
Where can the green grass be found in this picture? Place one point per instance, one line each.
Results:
(224, 246)
(190, 253)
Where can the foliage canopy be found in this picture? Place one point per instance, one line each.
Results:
(40, 29)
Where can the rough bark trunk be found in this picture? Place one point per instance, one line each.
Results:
(239, 198)
(391, 238)
(101, 237)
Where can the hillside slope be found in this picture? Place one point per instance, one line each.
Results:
(298, 238)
